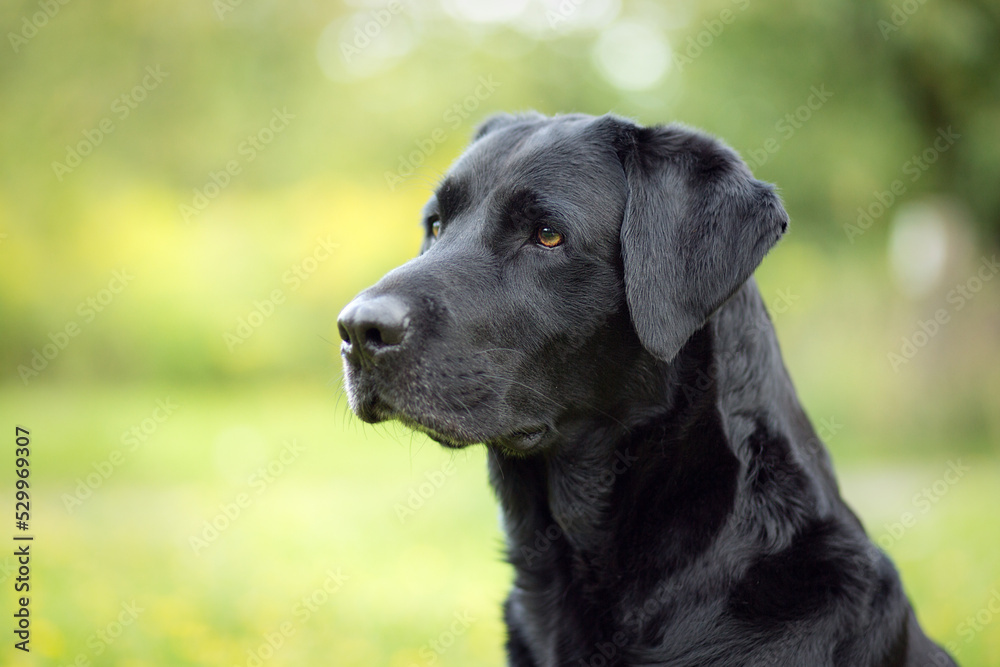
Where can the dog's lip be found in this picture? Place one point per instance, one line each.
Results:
(433, 428)
(524, 439)
(375, 408)
(372, 410)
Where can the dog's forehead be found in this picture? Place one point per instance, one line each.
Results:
(563, 157)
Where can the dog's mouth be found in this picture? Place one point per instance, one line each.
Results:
(523, 440)
(520, 441)
(444, 434)
(449, 434)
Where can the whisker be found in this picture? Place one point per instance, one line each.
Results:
(526, 386)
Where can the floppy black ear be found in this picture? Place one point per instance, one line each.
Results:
(696, 225)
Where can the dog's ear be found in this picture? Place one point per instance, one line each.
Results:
(695, 227)
(499, 120)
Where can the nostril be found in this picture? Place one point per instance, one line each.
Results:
(344, 335)
(389, 333)
(373, 336)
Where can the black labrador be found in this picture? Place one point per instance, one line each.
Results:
(583, 305)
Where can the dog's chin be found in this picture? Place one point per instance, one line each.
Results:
(441, 433)
(520, 441)
(375, 409)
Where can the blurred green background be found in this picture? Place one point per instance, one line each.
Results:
(191, 191)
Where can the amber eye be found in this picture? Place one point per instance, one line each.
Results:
(548, 237)
(435, 226)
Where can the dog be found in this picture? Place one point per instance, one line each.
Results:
(583, 305)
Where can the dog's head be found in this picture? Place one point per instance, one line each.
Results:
(562, 257)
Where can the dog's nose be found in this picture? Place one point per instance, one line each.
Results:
(369, 325)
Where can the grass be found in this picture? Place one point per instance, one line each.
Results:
(322, 565)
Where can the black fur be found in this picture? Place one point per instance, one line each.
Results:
(664, 496)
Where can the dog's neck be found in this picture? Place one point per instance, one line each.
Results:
(680, 458)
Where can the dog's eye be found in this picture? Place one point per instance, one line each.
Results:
(435, 225)
(548, 237)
